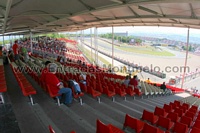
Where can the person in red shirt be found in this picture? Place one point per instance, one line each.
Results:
(56, 86)
(134, 82)
(43, 74)
(15, 48)
(44, 71)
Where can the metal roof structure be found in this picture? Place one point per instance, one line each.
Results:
(22, 16)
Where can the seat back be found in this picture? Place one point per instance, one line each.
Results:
(164, 122)
(186, 105)
(149, 129)
(167, 108)
(101, 127)
(159, 111)
(173, 116)
(51, 129)
(180, 128)
(197, 124)
(173, 105)
(178, 103)
(195, 130)
(179, 112)
(186, 120)
(190, 114)
(133, 123)
(149, 116)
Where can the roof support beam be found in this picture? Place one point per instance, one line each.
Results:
(193, 15)
(149, 10)
(87, 6)
(133, 12)
(8, 6)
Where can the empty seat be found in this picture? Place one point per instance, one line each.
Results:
(197, 124)
(173, 105)
(133, 123)
(186, 120)
(194, 107)
(198, 117)
(180, 128)
(165, 123)
(173, 116)
(149, 116)
(179, 112)
(103, 128)
(195, 130)
(192, 110)
(160, 112)
(178, 103)
(186, 105)
(190, 114)
(151, 129)
(167, 108)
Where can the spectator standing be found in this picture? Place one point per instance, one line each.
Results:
(15, 48)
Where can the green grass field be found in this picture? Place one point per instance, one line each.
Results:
(145, 50)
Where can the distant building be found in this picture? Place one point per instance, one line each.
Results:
(121, 34)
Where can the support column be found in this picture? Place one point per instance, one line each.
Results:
(97, 46)
(91, 41)
(3, 40)
(95, 43)
(112, 46)
(31, 42)
(186, 57)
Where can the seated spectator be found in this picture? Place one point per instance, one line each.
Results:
(75, 85)
(148, 81)
(164, 88)
(126, 81)
(57, 86)
(134, 82)
(82, 79)
(44, 71)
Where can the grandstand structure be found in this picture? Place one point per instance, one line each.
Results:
(105, 105)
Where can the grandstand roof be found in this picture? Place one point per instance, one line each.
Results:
(71, 15)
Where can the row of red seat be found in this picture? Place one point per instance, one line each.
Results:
(174, 114)
(3, 87)
(25, 85)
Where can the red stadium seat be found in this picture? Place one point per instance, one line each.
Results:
(186, 105)
(197, 124)
(173, 116)
(133, 123)
(167, 108)
(149, 116)
(195, 130)
(180, 128)
(190, 114)
(165, 123)
(160, 112)
(103, 128)
(151, 129)
(179, 112)
(186, 120)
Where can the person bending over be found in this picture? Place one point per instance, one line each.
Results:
(57, 86)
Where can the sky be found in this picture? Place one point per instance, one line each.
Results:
(172, 33)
